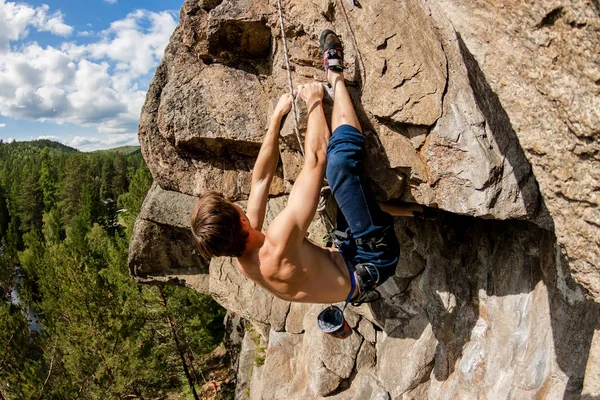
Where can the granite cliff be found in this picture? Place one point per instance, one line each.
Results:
(487, 110)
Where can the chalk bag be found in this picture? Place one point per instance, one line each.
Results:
(331, 321)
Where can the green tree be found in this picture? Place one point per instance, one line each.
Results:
(102, 335)
(53, 230)
(132, 201)
(4, 216)
(19, 355)
(72, 186)
(108, 176)
(120, 181)
(48, 179)
(29, 200)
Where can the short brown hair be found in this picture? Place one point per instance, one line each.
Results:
(217, 226)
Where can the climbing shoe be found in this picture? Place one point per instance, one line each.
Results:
(367, 278)
(332, 51)
(368, 296)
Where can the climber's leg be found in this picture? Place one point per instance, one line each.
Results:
(343, 109)
(333, 61)
(366, 221)
(373, 240)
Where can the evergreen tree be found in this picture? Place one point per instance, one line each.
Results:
(19, 355)
(120, 182)
(4, 216)
(102, 336)
(30, 201)
(53, 230)
(108, 176)
(72, 186)
(48, 179)
(132, 201)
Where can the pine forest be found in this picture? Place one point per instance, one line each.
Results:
(73, 323)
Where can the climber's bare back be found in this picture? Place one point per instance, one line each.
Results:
(307, 274)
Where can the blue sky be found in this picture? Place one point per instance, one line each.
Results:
(77, 71)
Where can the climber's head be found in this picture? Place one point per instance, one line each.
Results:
(219, 226)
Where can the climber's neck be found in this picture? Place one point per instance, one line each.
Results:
(255, 240)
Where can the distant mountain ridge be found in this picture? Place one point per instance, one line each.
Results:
(42, 143)
(126, 150)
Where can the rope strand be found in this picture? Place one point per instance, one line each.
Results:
(289, 75)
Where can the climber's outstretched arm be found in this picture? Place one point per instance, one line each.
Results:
(265, 165)
(286, 232)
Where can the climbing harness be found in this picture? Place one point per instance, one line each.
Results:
(366, 275)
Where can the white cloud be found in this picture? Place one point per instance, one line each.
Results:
(49, 137)
(2, 125)
(104, 142)
(91, 85)
(128, 43)
(17, 18)
(110, 1)
(85, 33)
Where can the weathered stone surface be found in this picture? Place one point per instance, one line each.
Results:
(167, 207)
(162, 248)
(295, 318)
(280, 366)
(404, 359)
(403, 62)
(246, 365)
(367, 356)
(473, 157)
(237, 293)
(367, 331)
(203, 116)
(323, 361)
(541, 60)
(192, 169)
(485, 109)
(591, 383)
(364, 386)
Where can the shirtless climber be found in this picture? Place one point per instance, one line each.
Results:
(282, 260)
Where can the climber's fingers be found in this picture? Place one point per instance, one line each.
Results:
(311, 91)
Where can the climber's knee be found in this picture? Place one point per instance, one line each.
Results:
(340, 162)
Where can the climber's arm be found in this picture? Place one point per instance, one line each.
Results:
(287, 231)
(265, 165)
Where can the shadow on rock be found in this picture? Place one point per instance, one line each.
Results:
(498, 123)
(495, 293)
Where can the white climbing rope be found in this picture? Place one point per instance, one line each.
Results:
(289, 75)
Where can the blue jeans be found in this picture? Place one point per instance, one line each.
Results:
(360, 216)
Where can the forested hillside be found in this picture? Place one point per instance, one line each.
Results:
(73, 324)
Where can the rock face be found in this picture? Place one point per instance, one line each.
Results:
(487, 110)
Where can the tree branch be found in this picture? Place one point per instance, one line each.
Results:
(49, 369)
